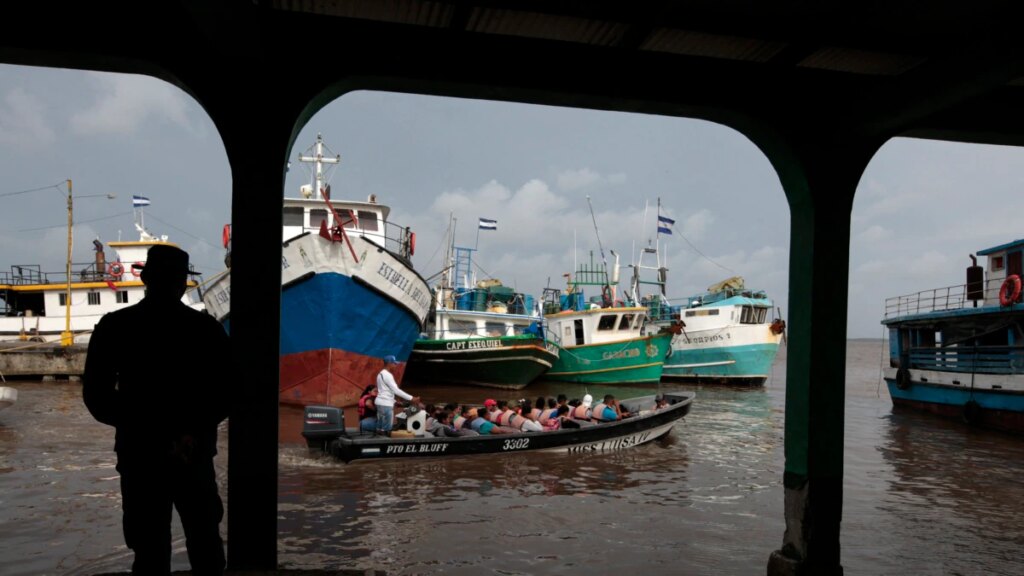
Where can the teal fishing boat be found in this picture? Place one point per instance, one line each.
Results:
(602, 340)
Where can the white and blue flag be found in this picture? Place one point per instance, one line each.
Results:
(138, 201)
(665, 224)
(487, 224)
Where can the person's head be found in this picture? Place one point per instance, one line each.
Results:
(609, 398)
(472, 414)
(574, 402)
(526, 405)
(502, 405)
(562, 399)
(165, 272)
(430, 409)
(490, 404)
(451, 407)
(444, 417)
(563, 409)
(390, 361)
(539, 402)
(552, 403)
(370, 389)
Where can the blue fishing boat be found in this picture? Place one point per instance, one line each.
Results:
(349, 293)
(958, 351)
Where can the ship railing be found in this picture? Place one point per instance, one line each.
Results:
(32, 274)
(970, 359)
(939, 299)
(399, 240)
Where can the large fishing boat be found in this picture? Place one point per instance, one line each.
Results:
(480, 333)
(35, 303)
(957, 351)
(728, 334)
(603, 339)
(349, 293)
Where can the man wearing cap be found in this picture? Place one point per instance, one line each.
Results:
(387, 389)
(156, 372)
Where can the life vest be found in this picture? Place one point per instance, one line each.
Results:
(598, 412)
(363, 410)
(535, 413)
(581, 412)
(506, 418)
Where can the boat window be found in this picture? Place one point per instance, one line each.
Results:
(292, 216)
(607, 322)
(704, 312)
(346, 218)
(495, 328)
(578, 323)
(627, 320)
(639, 320)
(997, 263)
(462, 326)
(62, 299)
(316, 216)
(368, 220)
(122, 297)
(94, 298)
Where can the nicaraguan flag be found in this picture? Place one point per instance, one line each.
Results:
(665, 224)
(138, 201)
(486, 224)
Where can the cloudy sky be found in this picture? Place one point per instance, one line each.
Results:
(922, 207)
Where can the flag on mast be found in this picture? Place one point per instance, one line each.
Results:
(487, 224)
(139, 201)
(665, 224)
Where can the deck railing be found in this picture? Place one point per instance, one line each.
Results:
(938, 300)
(30, 274)
(970, 359)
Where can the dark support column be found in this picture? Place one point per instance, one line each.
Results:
(820, 180)
(257, 154)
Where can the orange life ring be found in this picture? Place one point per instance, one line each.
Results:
(115, 269)
(225, 235)
(135, 271)
(412, 243)
(1010, 290)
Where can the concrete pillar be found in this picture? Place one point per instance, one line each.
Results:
(820, 179)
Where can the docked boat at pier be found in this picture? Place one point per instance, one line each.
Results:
(35, 303)
(326, 433)
(479, 333)
(349, 293)
(958, 351)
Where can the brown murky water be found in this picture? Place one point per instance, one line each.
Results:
(922, 495)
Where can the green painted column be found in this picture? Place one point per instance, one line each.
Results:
(820, 180)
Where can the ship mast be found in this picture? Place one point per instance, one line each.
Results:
(318, 161)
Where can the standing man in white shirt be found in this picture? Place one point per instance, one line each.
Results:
(387, 389)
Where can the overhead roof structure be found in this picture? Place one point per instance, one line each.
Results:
(817, 86)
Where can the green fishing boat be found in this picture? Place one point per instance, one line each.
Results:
(602, 340)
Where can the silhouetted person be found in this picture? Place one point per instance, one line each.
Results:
(155, 371)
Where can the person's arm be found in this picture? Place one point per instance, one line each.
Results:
(99, 380)
(389, 381)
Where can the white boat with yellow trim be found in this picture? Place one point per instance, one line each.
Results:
(34, 303)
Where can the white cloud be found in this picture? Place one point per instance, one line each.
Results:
(875, 234)
(930, 262)
(23, 121)
(570, 180)
(127, 103)
(696, 225)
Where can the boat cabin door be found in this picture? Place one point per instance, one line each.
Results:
(1013, 263)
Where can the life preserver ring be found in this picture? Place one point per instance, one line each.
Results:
(115, 269)
(135, 271)
(225, 235)
(412, 243)
(1010, 290)
(778, 326)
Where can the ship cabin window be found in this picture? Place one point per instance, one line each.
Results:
(704, 312)
(122, 296)
(292, 216)
(94, 298)
(495, 329)
(346, 218)
(462, 326)
(568, 333)
(753, 315)
(998, 263)
(368, 220)
(627, 320)
(62, 299)
(607, 322)
(318, 216)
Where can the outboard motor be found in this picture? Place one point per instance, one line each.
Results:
(321, 425)
(416, 420)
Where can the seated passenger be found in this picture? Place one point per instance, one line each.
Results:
(367, 410)
(555, 422)
(519, 421)
(583, 412)
(478, 423)
(461, 422)
(607, 410)
(660, 402)
(442, 426)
